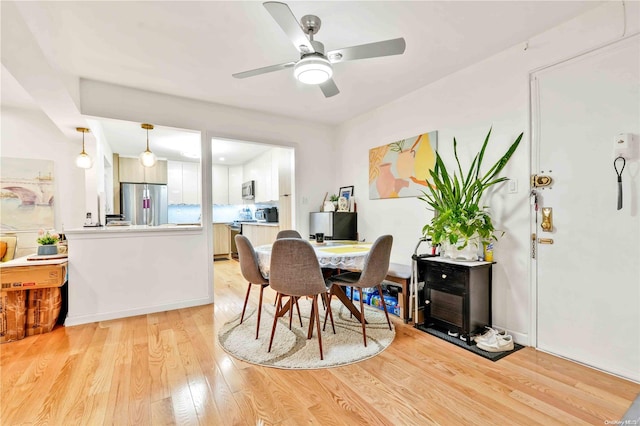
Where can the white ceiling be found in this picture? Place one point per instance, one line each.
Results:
(190, 48)
(129, 139)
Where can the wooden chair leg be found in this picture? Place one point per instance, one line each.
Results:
(364, 330)
(326, 313)
(352, 289)
(326, 297)
(312, 318)
(259, 311)
(275, 322)
(298, 308)
(317, 314)
(244, 307)
(384, 305)
(291, 309)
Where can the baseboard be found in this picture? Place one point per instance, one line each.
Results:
(520, 338)
(85, 319)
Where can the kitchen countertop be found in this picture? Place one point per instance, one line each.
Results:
(132, 228)
(261, 223)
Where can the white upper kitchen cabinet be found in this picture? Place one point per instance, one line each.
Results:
(191, 183)
(272, 173)
(235, 184)
(283, 166)
(174, 182)
(220, 184)
(183, 182)
(261, 170)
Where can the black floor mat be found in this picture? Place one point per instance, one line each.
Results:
(493, 356)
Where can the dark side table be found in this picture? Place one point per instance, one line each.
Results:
(457, 295)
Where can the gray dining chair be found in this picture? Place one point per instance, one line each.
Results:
(251, 272)
(295, 272)
(375, 270)
(288, 233)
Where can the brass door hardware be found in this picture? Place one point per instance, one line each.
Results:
(538, 181)
(547, 219)
(533, 246)
(545, 240)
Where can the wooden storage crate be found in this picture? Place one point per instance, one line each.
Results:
(12, 315)
(43, 308)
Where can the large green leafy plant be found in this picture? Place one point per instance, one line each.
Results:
(456, 198)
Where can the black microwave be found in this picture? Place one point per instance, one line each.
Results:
(248, 190)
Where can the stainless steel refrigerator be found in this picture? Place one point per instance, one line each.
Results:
(144, 203)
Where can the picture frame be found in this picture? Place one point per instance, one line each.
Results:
(346, 192)
(402, 168)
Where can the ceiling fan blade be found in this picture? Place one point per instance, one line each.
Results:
(263, 70)
(329, 88)
(289, 24)
(370, 50)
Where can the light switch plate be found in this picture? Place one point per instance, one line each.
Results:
(512, 186)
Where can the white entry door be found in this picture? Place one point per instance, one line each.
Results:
(587, 267)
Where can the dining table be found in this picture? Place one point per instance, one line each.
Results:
(332, 254)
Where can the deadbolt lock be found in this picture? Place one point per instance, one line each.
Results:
(545, 240)
(538, 181)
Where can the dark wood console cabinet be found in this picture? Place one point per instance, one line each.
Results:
(457, 295)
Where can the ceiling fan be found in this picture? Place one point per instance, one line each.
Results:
(314, 66)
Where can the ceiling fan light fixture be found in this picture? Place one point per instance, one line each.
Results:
(313, 70)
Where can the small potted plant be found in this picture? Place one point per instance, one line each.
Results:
(48, 242)
(461, 225)
(334, 199)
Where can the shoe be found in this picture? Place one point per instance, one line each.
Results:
(498, 343)
(488, 335)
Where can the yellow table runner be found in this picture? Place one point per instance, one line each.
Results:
(342, 250)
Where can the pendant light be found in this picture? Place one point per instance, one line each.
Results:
(147, 158)
(83, 160)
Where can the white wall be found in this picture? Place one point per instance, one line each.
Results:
(27, 133)
(466, 104)
(313, 143)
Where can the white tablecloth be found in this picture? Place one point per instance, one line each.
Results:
(332, 254)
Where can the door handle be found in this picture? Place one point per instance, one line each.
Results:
(547, 219)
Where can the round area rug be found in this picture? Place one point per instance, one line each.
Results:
(292, 350)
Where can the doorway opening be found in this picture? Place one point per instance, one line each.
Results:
(251, 183)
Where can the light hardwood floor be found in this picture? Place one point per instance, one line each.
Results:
(167, 368)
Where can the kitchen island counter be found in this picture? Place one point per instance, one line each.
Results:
(121, 271)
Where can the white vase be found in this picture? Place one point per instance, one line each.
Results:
(467, 253)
